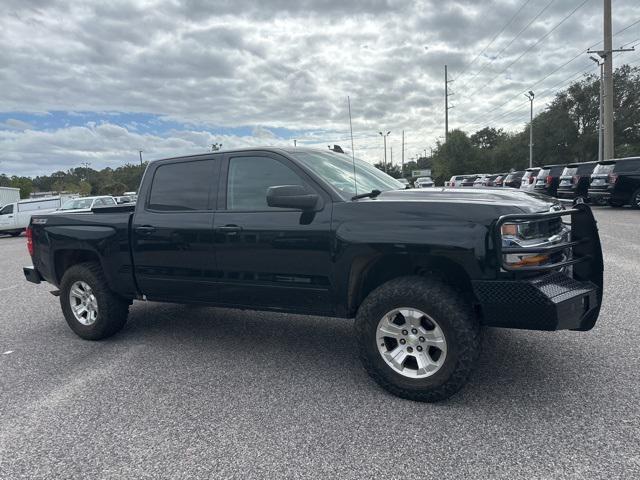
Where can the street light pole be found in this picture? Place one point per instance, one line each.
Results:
(530, 96)
(140, 153)
(384, 136)
(601, 107)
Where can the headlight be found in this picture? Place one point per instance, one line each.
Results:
(537, 233)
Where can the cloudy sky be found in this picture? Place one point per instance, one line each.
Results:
(84, 81)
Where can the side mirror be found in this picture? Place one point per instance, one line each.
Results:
(291, 196)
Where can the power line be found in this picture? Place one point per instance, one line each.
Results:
(493, 39)
(578, 55)
(540, 40)
(511, 42)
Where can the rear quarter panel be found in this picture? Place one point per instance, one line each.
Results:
(104, 234)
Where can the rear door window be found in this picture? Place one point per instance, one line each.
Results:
(184, 186)
(585, 169)
(629, 166)
(604, 169)
(569, 171)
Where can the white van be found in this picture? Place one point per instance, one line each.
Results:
(15, 217)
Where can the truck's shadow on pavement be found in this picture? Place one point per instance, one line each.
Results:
(522, 366)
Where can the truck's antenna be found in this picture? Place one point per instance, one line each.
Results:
(353, 153)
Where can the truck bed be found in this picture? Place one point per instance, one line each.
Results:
(62, 237)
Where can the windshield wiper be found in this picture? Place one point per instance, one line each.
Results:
(371, 194)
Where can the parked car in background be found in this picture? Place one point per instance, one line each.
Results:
(468, 181)
(513, 179)
(617, 182)
(132, 195)
(85, 204)
(528, 180)
(122, 200)
(456, 181)
(481, 180)
(405, 182)
(548, 179)
(15, 216)
(493, 179)
(574, 181)
(424, 182)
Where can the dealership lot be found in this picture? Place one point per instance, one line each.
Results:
(188, 391)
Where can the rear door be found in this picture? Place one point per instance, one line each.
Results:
(268, 257)
(172, 230)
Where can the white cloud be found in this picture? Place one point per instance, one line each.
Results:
(278, 63)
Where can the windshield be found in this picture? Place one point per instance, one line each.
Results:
(603, 169)
(77, 204)
(569, 171)
(337, 169)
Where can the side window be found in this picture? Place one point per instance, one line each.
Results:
(7, 210)
(250, 177)
(183, 186)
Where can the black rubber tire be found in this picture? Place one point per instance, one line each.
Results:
(634, 203)
(112, 309)
(454, 316)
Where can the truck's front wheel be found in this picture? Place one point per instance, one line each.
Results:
(418, 338)
(91, 309)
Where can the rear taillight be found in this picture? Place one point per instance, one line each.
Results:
(30, 241)
(575, 178)
(531, 180)
(549, 179)
(613, 178)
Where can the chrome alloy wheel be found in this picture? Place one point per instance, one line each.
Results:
(411, 342)
(84, 304)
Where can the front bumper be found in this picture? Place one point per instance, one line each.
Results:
(31, 274)
(551, 302)
(562, 295)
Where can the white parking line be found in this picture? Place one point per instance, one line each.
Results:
(8, 288)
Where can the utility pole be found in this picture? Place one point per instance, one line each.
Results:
(601, 106)
(295, 142)
(384, 136)
(446, 105)
(607, 82)
(402, 161)
(391, 157)
(530, 96)
(140, 153)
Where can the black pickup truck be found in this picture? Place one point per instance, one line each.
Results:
(292, 230)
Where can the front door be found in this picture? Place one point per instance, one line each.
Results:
(172, 231)
(7, 217)
(270, 257)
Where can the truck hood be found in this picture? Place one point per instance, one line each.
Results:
(526, 202)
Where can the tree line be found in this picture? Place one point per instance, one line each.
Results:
(82, 180)
(566, 131)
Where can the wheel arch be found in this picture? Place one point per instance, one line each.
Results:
(379, 270)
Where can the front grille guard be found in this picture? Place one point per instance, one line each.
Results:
(583, 245)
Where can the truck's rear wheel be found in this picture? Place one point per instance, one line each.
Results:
(92, 310)
(635, 199)
(418, 338)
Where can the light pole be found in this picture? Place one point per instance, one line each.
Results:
(384, 136)
(140, 153)
(530, 96)
(600, 126)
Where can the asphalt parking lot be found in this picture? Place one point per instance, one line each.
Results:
(203, 392)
